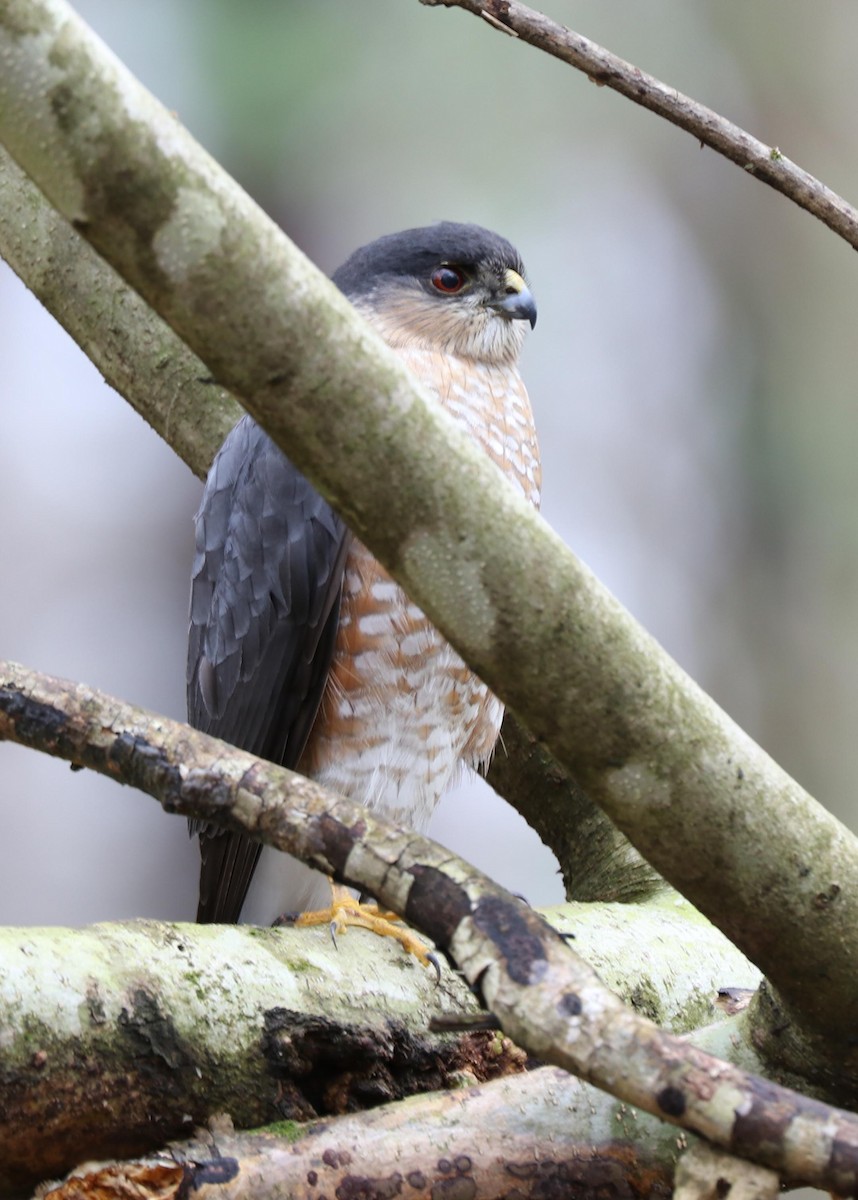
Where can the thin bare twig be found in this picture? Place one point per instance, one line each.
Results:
(766, 163)
(546, 998)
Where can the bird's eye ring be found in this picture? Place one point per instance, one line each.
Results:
(448, 280)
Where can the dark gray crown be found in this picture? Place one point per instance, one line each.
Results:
(414, 252)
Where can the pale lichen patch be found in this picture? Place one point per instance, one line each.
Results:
(246, 806)
(193, 230)
(19, 19)
(377, 865)
(636, 784)
(29, 120)
(440, 555)
(139, 106)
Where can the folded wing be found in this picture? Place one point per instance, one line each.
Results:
(265, 600)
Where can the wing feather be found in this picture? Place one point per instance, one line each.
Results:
(265, 599)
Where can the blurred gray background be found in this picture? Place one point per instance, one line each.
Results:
(692, 374)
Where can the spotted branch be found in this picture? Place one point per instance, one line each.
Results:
(456, 1146)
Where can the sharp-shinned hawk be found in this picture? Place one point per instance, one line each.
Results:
(302, 648)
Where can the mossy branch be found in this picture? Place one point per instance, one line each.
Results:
(123, 1036)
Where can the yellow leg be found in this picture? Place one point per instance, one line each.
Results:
(345, 910)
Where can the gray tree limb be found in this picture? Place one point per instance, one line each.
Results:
(545, 997)
(705, 1174)
(605, 69)
(137, 353)
(596, 860)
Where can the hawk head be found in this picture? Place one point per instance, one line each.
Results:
(459, 289)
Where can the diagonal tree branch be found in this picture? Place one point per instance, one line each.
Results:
(596, 860)
(693, 792)
(765, 163)
(545, 997)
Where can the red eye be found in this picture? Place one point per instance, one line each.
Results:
(448, 279)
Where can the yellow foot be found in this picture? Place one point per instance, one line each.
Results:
(345, 910)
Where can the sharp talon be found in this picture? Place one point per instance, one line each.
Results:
(567, 937)
(346, 912)
(432, 958)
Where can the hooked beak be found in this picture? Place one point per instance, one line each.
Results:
(517, 303)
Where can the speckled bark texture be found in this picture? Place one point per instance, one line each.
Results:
(707, 808)
(532, 1138)
(544, 996)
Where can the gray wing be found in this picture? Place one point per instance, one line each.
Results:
(265, 599)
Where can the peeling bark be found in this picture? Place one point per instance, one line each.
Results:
(123, 1036)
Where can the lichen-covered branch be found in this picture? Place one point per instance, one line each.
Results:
(106, 1026)
(544, 996)
(709, 128)
(465, 1144)
(703, 803)
(143, 359)
(186, 1021)
(122, 1036)
(705, 1174)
